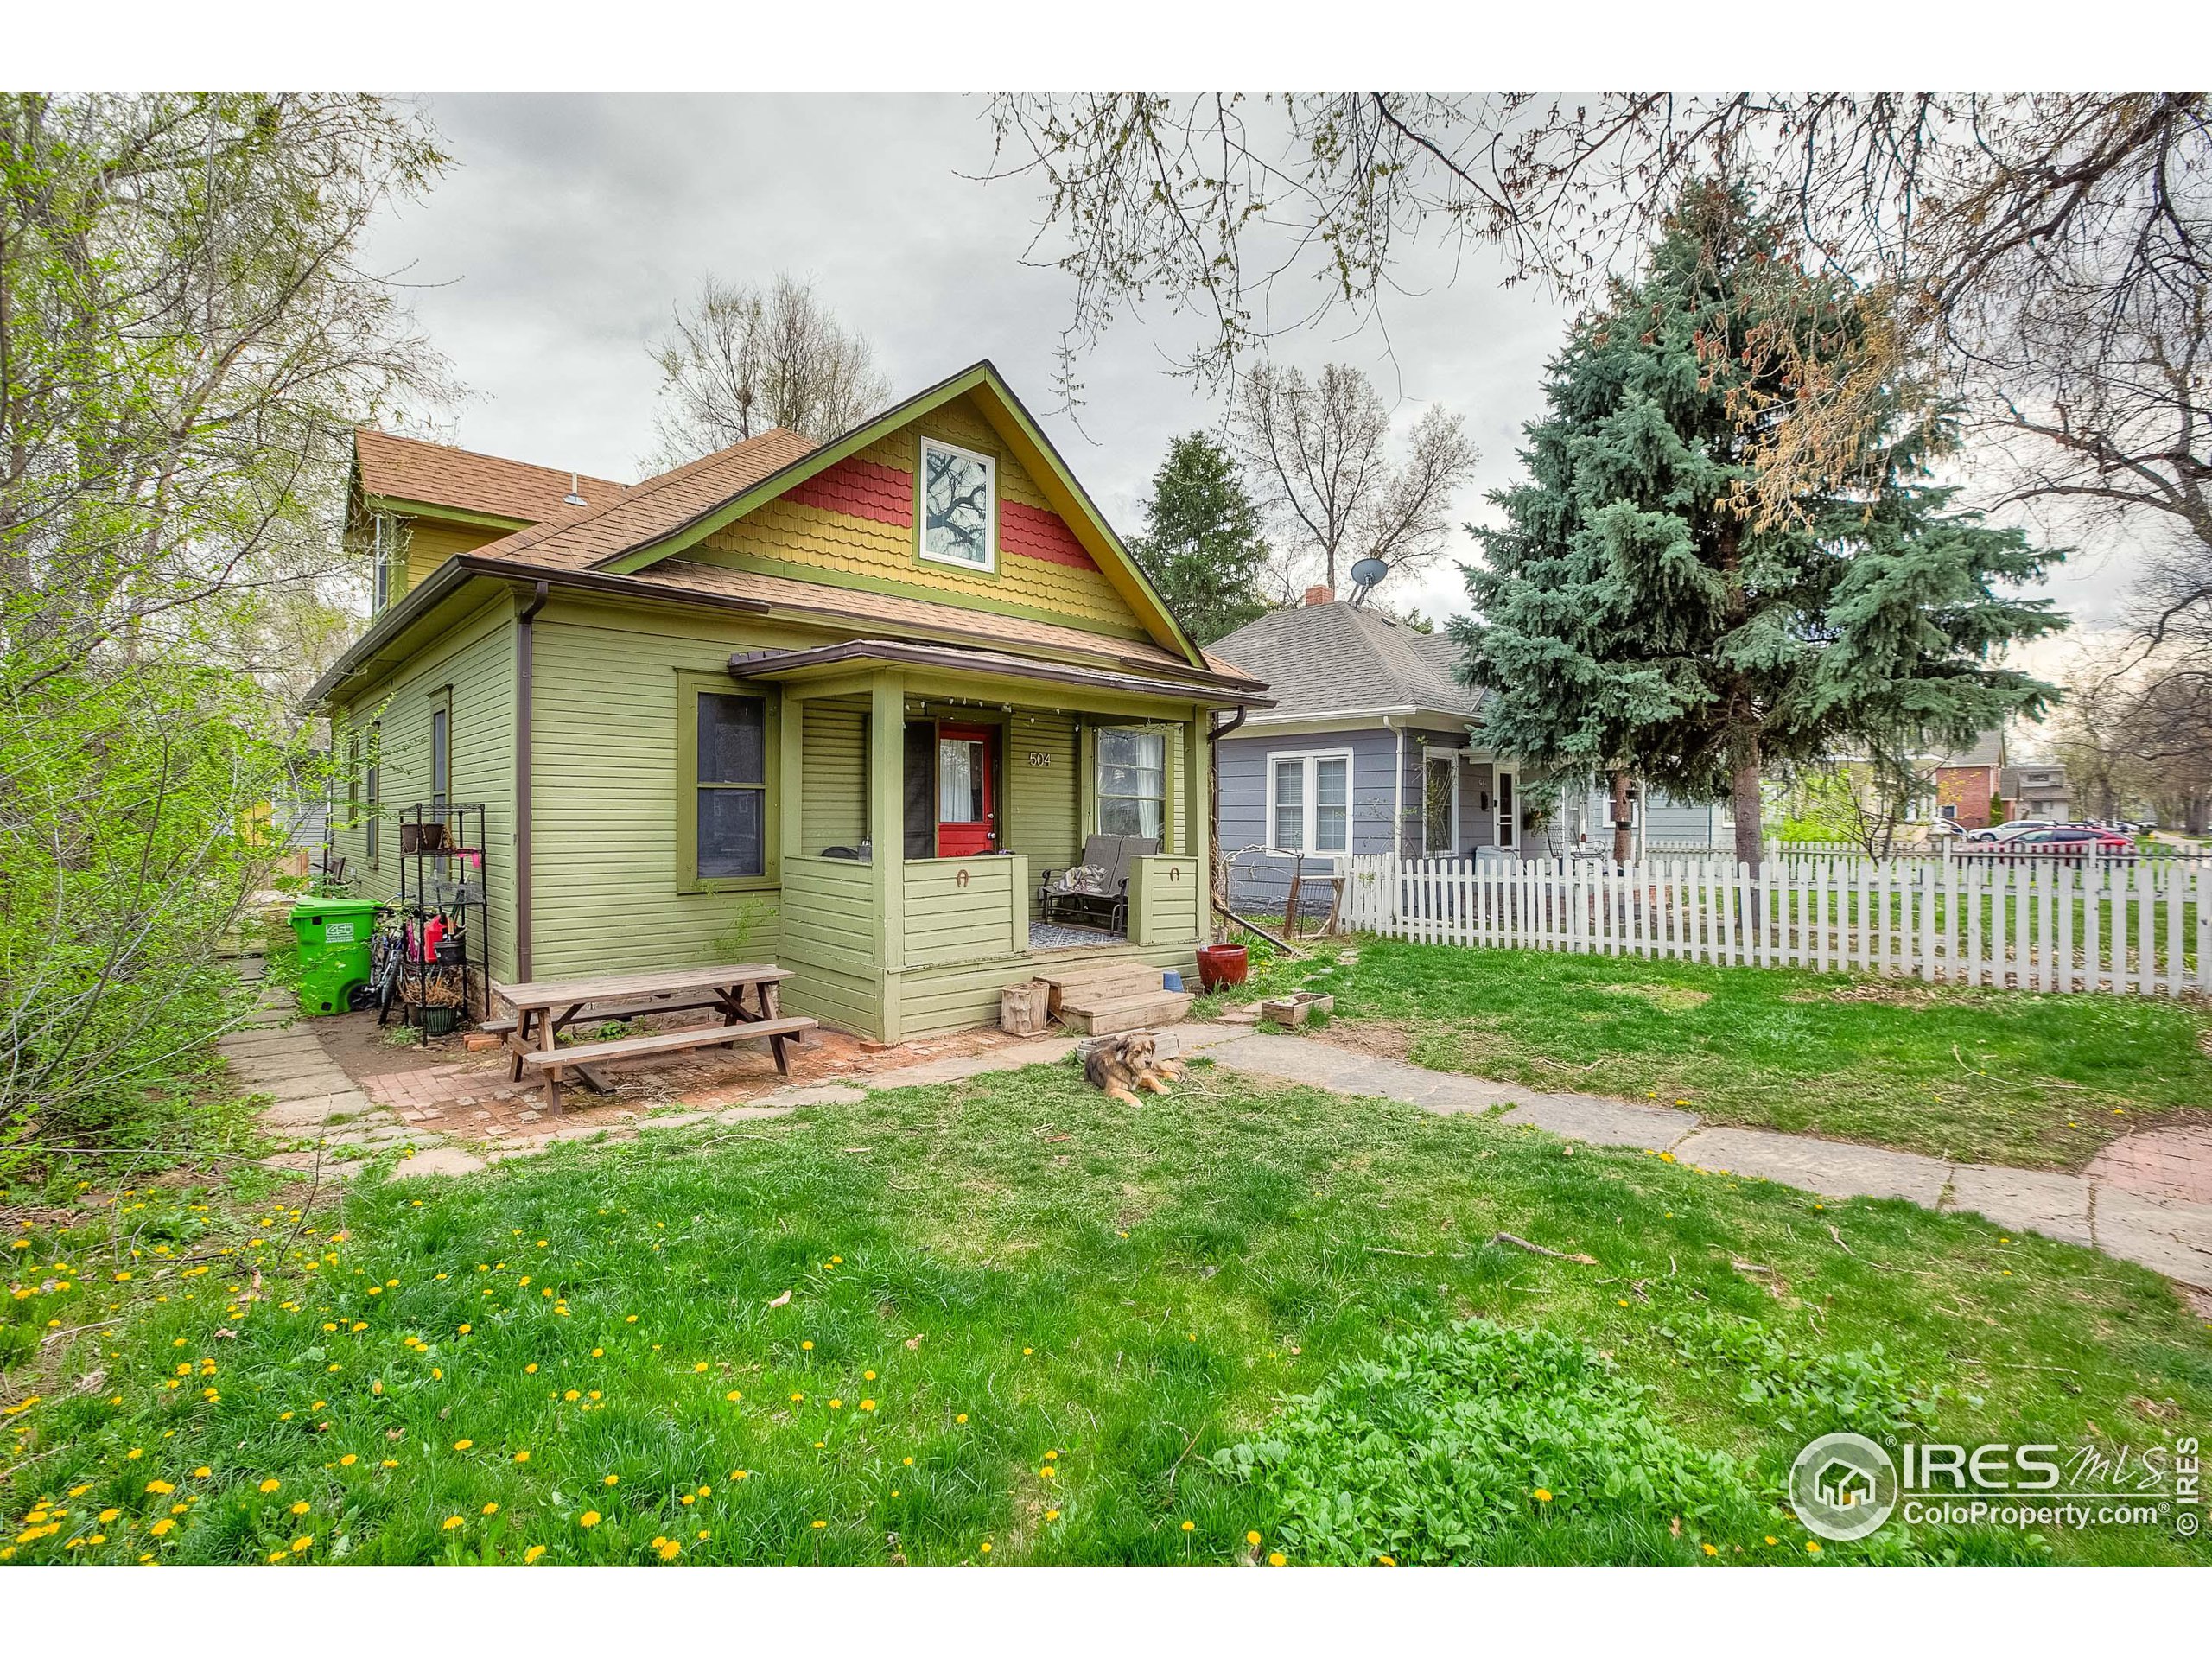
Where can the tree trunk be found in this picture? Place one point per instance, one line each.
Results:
(1623, 835)
(1751, 827)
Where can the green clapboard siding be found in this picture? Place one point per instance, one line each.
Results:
(474, 664)
(1163, 893)
(962, 909)
(829, 944)
(967, 993)
(834, 797)
(1043, 792)
(604, 806)
(829, 914)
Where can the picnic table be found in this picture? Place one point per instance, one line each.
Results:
(546, 1008)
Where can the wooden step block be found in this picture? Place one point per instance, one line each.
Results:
(1128, 1013)
(1107, 982)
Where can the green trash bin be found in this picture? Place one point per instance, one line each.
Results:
(333, 937)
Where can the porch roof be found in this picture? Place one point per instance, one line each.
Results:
(825, 661)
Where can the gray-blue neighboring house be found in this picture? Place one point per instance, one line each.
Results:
(1368, 749)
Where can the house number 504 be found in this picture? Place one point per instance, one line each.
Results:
(1040, 758)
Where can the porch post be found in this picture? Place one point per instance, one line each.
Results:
(887, 819)
(1198, 804)
(791, 772)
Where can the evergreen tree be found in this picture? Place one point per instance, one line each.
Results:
(1202, 545)
(1638, 614)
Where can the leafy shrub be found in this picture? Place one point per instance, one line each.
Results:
(1475, 1442)
(1863, 1390)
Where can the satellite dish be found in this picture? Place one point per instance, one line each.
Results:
(1368, 572)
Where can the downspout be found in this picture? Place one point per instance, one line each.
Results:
(1397, 792)
(526, 673)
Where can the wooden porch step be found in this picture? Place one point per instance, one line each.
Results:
(1106, 982)
(666, 1042)
(1105, 1015)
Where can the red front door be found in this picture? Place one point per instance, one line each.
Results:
(967, 791)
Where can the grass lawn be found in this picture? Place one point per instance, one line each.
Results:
(1982, 1075)
(1008, 1321)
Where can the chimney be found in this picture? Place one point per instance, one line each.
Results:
(1319, 594)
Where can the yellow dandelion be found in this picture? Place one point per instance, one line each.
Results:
(1541, 1495)
(451, 1521)
(1189, 1526)
(612, 1479)
(1276, 1560)
(491, 1509)
(270, 1485)
(349, 1461)
(530, 1555)
(1252, 1538)
(462, 1446)
(588, 1518)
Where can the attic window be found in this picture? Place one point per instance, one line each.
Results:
(958, 509)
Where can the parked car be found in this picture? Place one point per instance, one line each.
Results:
(2066, 842)
(2009, 831)
(1946, 830)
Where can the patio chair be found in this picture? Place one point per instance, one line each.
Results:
(1096, 891)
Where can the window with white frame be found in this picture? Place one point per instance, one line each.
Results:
(958, 510)
(1132, 782)
(1439, 802)
(1309, 802)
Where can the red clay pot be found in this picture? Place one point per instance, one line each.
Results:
(1222, 965)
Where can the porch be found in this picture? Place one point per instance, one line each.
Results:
(936, 788)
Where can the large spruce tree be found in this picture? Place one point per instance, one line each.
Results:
(1639, 614)
(1202, 545)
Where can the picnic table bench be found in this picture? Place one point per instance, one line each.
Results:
(546, 1008)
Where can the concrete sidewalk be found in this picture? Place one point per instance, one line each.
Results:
(2171, 1238)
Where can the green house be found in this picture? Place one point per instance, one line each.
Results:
(838, 707)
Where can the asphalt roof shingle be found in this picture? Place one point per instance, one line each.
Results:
(582, 536)
(1338, 658)
(437, 475)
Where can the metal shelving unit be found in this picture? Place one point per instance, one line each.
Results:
(444, 871)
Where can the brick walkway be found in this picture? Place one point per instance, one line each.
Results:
(2172, 1165)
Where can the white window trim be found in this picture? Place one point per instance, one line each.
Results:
(1304, 759)
(990, 561)
(1166, 796)
(1448, 758)
(379, 563)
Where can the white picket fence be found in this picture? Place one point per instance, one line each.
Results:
(2144, 928)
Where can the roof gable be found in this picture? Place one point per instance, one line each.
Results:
(1058, 526)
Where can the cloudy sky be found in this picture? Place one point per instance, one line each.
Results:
(548, 260)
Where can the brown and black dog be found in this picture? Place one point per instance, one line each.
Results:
(1121, 1065)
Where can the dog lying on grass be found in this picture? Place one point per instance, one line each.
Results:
(1121, 1065)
